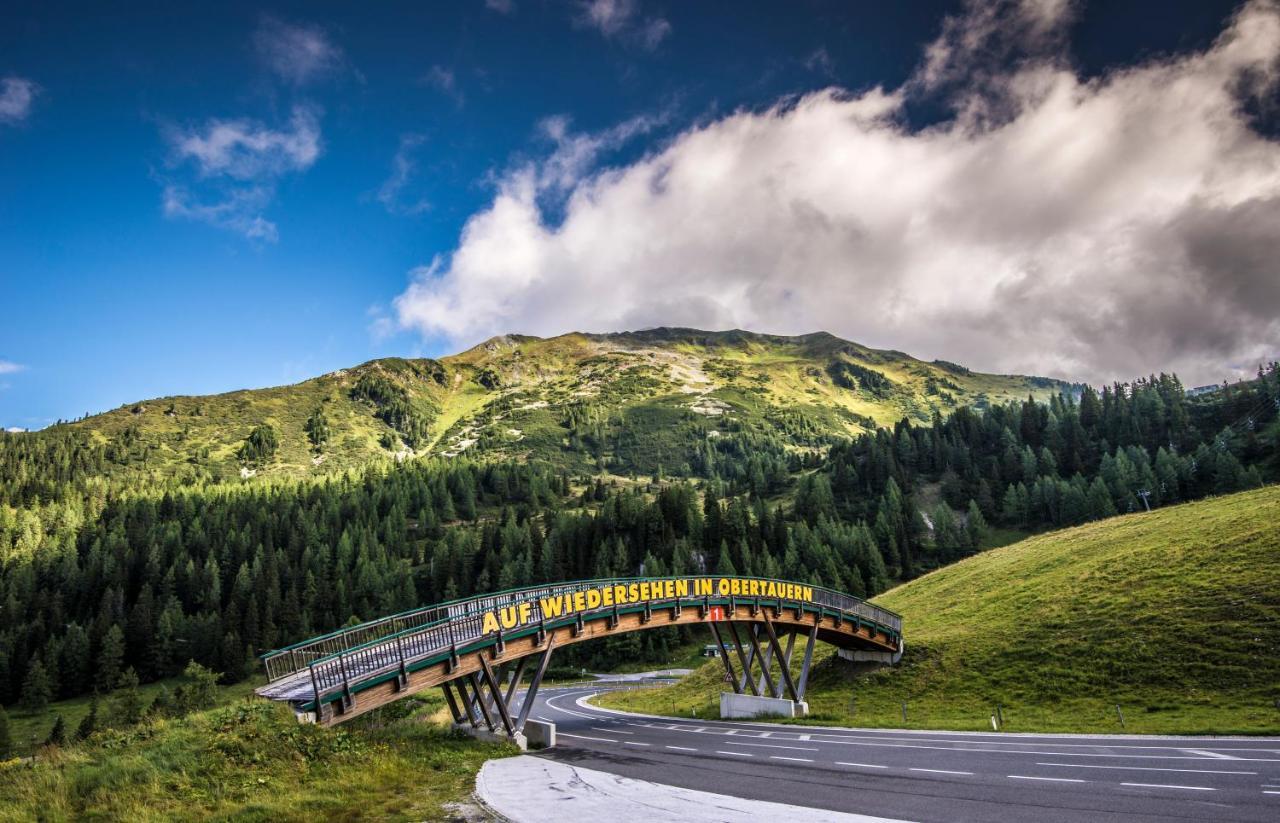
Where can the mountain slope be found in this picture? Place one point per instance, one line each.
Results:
(1173, 615)
(628, 402)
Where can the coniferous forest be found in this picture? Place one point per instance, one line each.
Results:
(105, 578)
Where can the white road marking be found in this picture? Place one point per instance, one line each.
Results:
(1170, 786)
(682, 748)
(766, 734)
(941, 771)
(634, 743)
(584, 737)
(773, 746)
(860, 765)
(1204, 753)
(1267, 792)
(738, 754)
(796, 759)
(1054, 779)
(803, 737)
(1140, 768)
(611, 731)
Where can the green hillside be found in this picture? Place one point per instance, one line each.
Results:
(630, 402)
(1173, 615)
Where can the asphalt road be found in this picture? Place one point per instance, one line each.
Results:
(928, 776)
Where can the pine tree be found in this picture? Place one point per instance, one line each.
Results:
(88, 723)
(127, 708)
(110, 658)
(36, 689)
(58, 734)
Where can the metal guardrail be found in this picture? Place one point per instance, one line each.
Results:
(333, 662)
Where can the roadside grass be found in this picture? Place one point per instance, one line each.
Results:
(1173, 616)
(251, 761)
(26, 726)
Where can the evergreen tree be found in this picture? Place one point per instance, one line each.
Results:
(36, 688)
(58, 734)
(127, 700)
(88, 723)
(110, 659)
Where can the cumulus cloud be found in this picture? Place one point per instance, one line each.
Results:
(298, 53)
(391, 192)
(9, 367)
(235, 166)
(16, 96)
(1099, 228)
(621, 19)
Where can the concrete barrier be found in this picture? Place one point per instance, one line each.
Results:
(540, 735)
(496, 736)
(738, 706)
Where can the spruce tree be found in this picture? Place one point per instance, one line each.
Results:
(88, 723)
(36, 689)
(58, 734)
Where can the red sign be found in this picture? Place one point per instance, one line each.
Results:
(716, 613)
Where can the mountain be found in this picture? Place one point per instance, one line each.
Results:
(634, 402)
(1172, 615)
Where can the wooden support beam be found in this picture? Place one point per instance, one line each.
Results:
(474, 677)
(773, 642)
(532, 691)
(766, 659)
(496, 690)
(808, 658)
(745, 660)
(453, 704)
(724, 656)
(785, 661)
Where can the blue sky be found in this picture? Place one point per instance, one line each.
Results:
(198, 201)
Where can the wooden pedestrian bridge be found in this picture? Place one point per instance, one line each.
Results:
(476, 645)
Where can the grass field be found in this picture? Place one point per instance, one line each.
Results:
(1173, 616)
(253, 761)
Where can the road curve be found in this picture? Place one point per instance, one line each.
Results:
(927, 776)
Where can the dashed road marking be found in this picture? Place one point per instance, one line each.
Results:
(795, 759)
(634, 743)
(1053, 779)
(585, 737)
(860, 765)
(682, 748)
(1204, 753)
(1141, 768)
(941, 771)
(738, 754)
(610, 731)
(1170, 786)
(773, 746)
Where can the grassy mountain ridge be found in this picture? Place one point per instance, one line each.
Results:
(626, 402)
(1173, 615)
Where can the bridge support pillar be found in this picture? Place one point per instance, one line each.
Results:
(738, 706)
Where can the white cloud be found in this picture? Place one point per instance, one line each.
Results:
(621, 19)
(500, 6)
(296, 52)
(403, 165)
(16, 96)
(246, 150)
(1097, 228)
(236, 165)
(238, 210)
(445, 81)
(9, 367)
